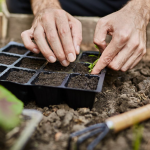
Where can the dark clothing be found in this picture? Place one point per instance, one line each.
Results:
(74, 7)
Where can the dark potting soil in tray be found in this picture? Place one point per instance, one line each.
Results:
(31, 63)
(17, 50)
(87, 58)
(36, 55)
(83, 82)
(8, 60)
(53, 79)
(19, 76)
(58, 67)
(81, 68)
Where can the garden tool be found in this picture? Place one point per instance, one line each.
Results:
(115, 123)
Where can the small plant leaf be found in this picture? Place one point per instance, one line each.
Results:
(10, 109)
(92, 55)
(96, 46)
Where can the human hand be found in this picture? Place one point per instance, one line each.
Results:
(128, 44)
(63, 33)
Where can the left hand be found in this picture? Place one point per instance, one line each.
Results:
(128, 45)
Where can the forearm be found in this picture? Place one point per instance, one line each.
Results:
(38, 5)
(140, 6)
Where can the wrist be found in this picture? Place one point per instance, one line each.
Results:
(40, 5)
(139, 8)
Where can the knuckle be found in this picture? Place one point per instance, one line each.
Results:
(144, 52)
(51, 36)
(23, 34)
(59, 12)
(36, 36)
(60, 56)
(98, 41)
(135, 44)
(123, 37)
(106, 60)
(64, 31)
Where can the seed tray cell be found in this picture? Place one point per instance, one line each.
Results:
(31, 63)
(58, 67)
(36, 55)
(7, 59)
(16, 50)
(30, 77)
(86, 56)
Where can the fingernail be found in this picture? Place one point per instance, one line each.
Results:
(52, 59)
(65, 63)
(71, 57)
(78, 49)
(35, 50)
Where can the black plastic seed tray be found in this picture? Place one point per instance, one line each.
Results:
(31, 77)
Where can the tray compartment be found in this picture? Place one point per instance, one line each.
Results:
(77, 98)
(48, 94)
(8, 59)
(31, 63)
(2, 68)
(85, 57)
(16, 50)
(23, 92)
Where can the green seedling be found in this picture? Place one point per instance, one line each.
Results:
(138, 131)
(10, 110)
(92, 65)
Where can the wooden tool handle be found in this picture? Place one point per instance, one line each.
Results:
(128, 119)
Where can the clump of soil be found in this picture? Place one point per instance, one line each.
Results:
(8, 60)
(19, 76)
(81, 68)
(83, 82)
(87, 58)
(36, 55)
(53, 79)
(31, 63)
(17, 50)
(58, 67)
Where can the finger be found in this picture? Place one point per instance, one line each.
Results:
(136, 62)
(109, 53)
(64, 32)
(132, 59)
(121, 58)
(39, 37)
(76, 30)
(54, 41)
(100, 34)
(26, 38)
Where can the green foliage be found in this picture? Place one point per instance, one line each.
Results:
(10, 109)
(138, 131)
(92, 65)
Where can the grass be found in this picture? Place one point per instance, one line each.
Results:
(138, 131)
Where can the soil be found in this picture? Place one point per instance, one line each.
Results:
(36, 55)
(31, 63)
(53, 79)
(58, 67)
(81, 68)
(19, 76)
(83, 82)
(87, 58)
(8, 60)
(17, 50)
(121, 92)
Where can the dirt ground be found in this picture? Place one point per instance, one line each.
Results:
(121, 92)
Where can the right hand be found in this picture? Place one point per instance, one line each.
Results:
(63, 33)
